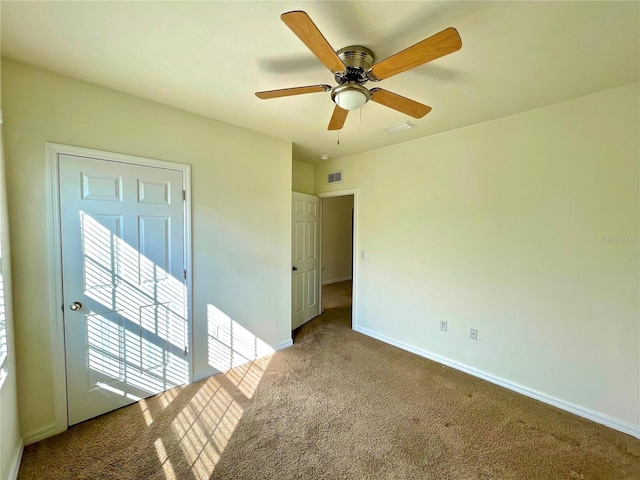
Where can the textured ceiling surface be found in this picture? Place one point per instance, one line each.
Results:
(210, 57)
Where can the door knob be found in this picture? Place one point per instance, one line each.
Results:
(294, 269)
(75, 306)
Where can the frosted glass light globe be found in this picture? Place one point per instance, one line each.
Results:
(350, 99)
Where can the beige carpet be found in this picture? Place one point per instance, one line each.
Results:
(337, 405)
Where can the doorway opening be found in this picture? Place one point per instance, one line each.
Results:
(338, 242)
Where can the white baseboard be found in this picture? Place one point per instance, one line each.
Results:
(38, 435)
(15, 462)
(210, 371)
(587, 413)
(283, 345)
(336, 280)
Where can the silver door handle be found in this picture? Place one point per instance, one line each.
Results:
(75, 306)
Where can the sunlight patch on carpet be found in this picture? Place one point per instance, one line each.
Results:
(167, 468)
(145, 412)
(205, 426)
(247, 377)
(165, 398)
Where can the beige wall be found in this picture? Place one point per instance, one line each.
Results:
(506, 227)
(241, 202)
(302, 181)
(10, 438)
(336, 238)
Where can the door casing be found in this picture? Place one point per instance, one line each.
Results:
(53, 151)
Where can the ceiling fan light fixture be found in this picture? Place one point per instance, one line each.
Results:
(350, 99)
(350, 96)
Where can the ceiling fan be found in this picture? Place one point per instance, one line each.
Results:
(354, 66)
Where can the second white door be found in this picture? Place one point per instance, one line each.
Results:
(305, 258)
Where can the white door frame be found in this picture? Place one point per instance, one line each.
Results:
(354, 290)
(53, 152)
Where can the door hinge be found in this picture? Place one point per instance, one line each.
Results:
(184, 274)
(186, 351)
(184, 195)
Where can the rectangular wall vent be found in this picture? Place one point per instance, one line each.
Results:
(335, 177)
(400, 127)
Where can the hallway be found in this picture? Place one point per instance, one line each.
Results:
(337, 294)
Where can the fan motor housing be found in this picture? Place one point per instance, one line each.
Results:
(358, 60)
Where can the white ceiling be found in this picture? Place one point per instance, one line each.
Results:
(210, 57)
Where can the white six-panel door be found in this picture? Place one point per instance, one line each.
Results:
(122, 229)
(305, 258)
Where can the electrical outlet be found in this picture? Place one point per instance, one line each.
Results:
(443, 325)
(473, 334)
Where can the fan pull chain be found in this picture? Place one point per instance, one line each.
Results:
(338, 142)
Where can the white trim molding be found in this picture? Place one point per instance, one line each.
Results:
(14, 468)
(38, 435)
(202, 374)
(587, 413)
(283, 345)
(210, 371)
(53, 152)
(61, 421)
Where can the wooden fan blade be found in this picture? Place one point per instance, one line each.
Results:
(439, 45)
(300, 24)
(338, 118)
(287, 92)
(399, 103)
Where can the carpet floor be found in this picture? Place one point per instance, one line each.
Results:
(336, 405)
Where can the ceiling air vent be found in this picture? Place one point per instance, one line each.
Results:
(400, 127)
(335, 177)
